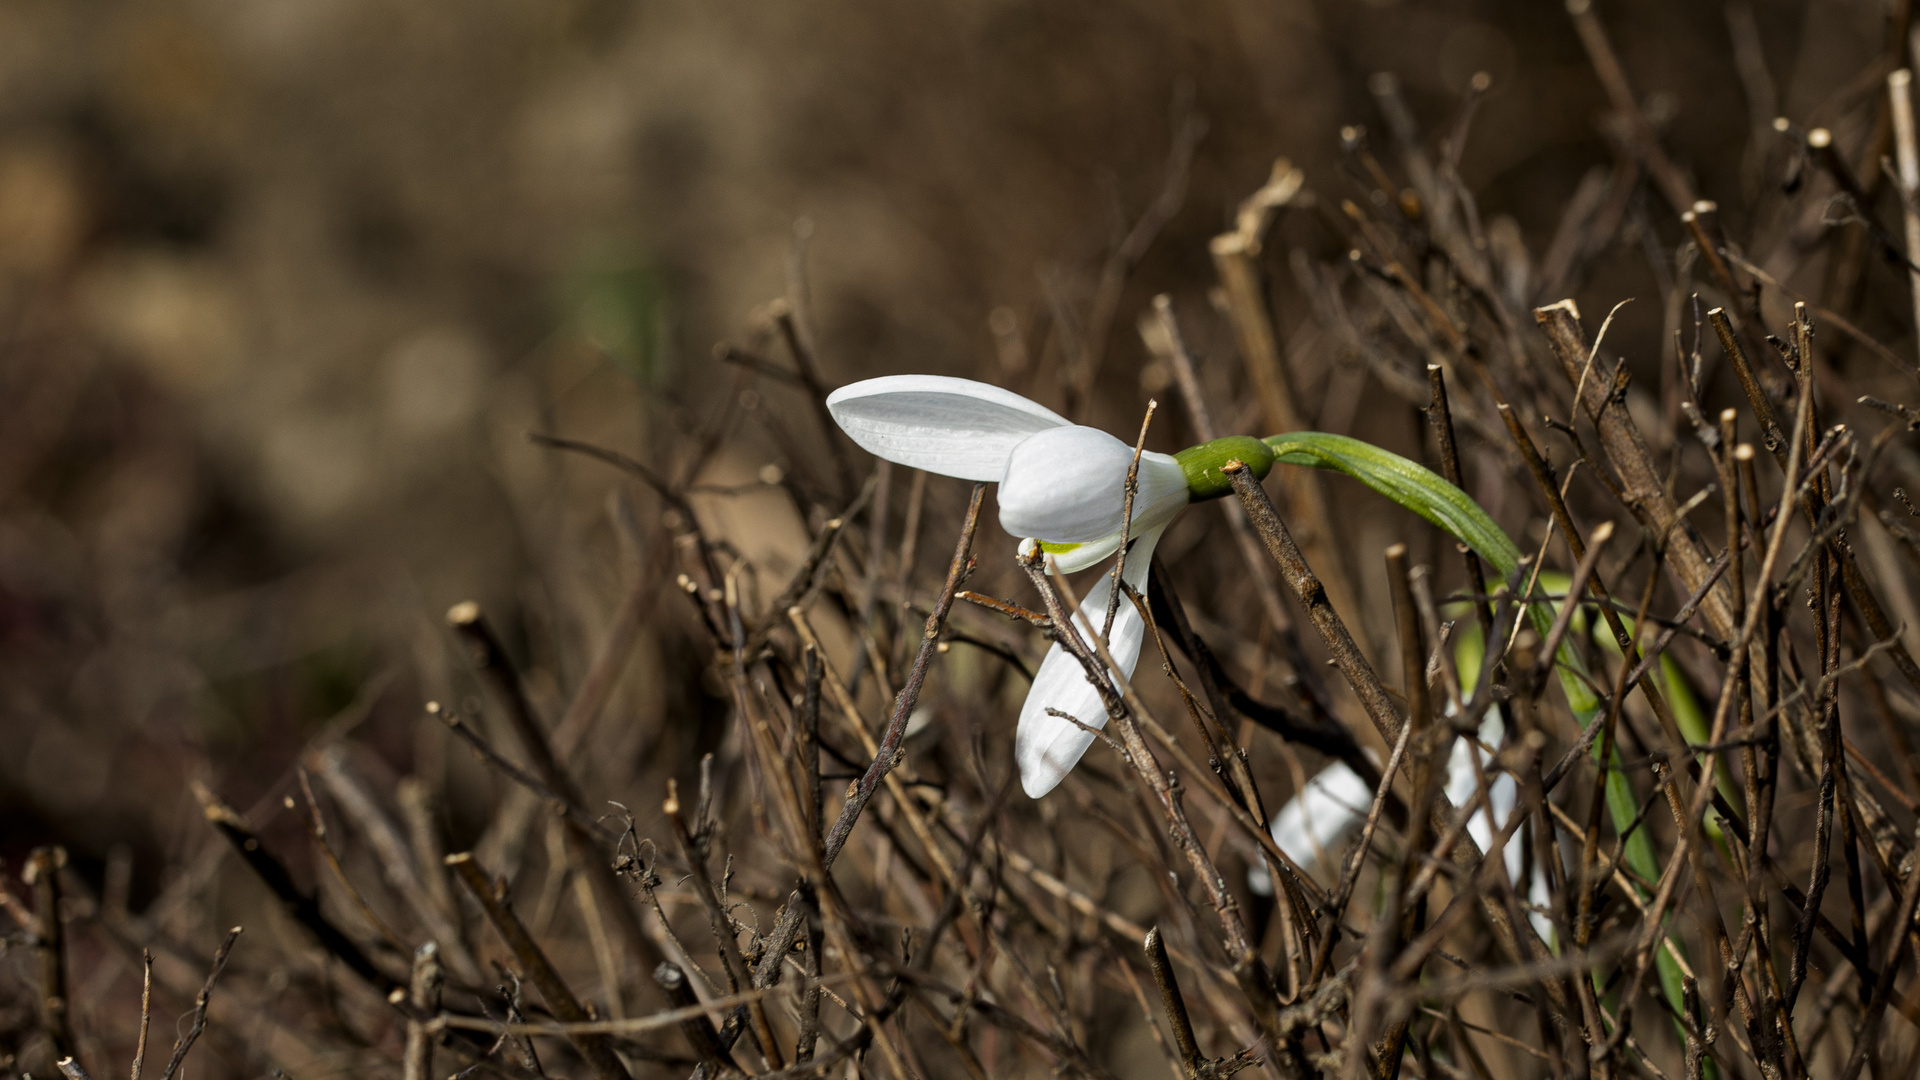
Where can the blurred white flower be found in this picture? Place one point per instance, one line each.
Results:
(1063, 487)
(1313, 825)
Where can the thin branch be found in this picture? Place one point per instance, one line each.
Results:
(595, 1048)
(423, 996)
(146, 1012)
(889, 749)
(200, 1002)
(1126, 521)
(49, 946)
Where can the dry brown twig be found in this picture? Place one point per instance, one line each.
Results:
(49, 946)
(596, 1049)
(200, 1002)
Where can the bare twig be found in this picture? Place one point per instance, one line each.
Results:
(693, 1020)
(1867, 1040)
(417, 805)
(667, 491)
(583, 839)
(596, 1049)
(490, 660)
(1316, 729)
(1350, 874)
(1613, 78)
(1900, 95)
(1626, 450)
(1165, 340)
(1235, 259)
(1312, 594)
(1173, 1003)
(738, 973)
(786, 318)
(146, 1012)
(200, 1001)
(574, 811)
(1189, 129)
(1440, 418)
(889, 748)
(302, 907)
(49, 946)
(423, 997)
(396, 858)
(1126, 520)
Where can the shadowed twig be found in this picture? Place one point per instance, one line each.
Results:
(146, 1012)
(200, 1002)
(423, 996)
(300, 906)
(596, 1049)
(49, 946)
(583, 841)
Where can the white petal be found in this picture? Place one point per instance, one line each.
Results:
(1320, 816)
(1539, 895)
(1463, 783)
(954, 427)
(1045, 746)
(1503, 793)
(1069, 485)
(1336, 801)
(1502, 796)
(1463, 780)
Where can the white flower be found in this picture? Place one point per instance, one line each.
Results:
(1315, 823)
(1062, 486)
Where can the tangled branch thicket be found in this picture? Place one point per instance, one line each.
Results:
(820, 863)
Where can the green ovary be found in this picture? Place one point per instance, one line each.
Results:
(1202, 464)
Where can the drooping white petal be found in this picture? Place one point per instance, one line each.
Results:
(1540, 896)
(1335, 802)
(954, 427)
(1313, 824)
(1503, 794)
(1047, 747)
(1068, 485)
(1463, 786)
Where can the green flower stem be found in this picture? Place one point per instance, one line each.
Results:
(1451, 510)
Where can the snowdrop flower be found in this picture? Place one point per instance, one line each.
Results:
(1315, 823)
(1062, 487)
(1334, 803)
